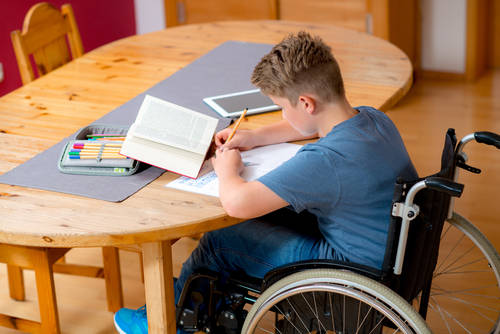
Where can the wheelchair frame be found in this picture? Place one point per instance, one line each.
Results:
(380, 290)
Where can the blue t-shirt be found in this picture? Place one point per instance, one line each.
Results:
(347, 180)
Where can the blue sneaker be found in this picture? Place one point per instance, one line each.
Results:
(129, 321)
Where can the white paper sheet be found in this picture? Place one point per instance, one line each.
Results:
(258, 162)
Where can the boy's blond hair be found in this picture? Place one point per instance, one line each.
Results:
(300, 64)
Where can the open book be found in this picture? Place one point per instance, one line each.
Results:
(170, 137)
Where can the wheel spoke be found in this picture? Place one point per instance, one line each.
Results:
(465, 292)
(343, 314)
(438, 267)
(298, 315)
(331, 311)
(444, 313)
(288, 319)
(440, 312)
(470, 305)
(457, 321)
(459, 257)
(364, 319)
(272, 322)
(378, 324)
(359, 312)
(454, 270)
(315, 314)
(444, 234)
(464, 272)
(265, 330)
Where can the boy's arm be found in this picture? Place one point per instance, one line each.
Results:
(279, 132)
(242, 199)
(238, 197)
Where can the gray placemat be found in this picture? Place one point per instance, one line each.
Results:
(225, 69)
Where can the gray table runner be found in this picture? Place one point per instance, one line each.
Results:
(225, 69)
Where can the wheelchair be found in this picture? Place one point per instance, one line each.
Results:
(440, 275)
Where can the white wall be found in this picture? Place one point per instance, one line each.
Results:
(149, 15)
(443, 35)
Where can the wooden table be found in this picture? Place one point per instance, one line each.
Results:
(40, 114)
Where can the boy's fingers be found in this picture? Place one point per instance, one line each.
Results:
(218, 140)
(226, 147)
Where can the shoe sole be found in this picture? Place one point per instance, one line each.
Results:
(116, 326)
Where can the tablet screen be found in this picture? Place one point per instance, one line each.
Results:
(231, 105)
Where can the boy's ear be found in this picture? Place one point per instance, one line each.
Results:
(308, 103)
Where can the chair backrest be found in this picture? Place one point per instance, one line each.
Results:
(425, 230)
(196, 11)
(50, 35)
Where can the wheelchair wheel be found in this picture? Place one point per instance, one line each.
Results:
(465, 290)
(331, 301)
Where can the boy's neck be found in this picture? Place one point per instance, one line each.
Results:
(334, 114)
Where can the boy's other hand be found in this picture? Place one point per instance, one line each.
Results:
(243, 139)
(227, 162)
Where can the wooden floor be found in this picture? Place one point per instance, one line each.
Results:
(422, 117)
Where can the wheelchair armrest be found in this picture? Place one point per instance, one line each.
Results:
(444, 185)
(278, 273)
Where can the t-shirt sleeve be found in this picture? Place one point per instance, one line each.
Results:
(306, 181)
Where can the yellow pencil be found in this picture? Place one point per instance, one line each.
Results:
(237, 125)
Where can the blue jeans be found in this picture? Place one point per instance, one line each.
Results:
(258, 245)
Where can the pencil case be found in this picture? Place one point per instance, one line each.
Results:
(86, 156)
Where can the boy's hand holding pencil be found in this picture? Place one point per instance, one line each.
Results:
(235, 138)
(227, 160)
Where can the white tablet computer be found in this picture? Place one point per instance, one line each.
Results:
(232, 105)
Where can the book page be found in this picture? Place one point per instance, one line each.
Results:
(258, 162)
(166, 123)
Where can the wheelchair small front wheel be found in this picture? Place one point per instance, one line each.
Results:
(331, 301)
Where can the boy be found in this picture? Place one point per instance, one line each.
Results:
(344, 181)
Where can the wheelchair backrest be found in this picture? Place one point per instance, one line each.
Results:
(425, 230)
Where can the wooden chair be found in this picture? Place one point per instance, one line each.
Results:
(195, 11)
(52, 38)
(44, 261)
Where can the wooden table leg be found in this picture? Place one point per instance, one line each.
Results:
(16, 282)
(159, 286)
(112, 276)
(46, 292)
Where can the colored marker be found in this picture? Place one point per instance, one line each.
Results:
(115, 156)
(78, 145)
(91, 153)
(105, 135)
(117, 149)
